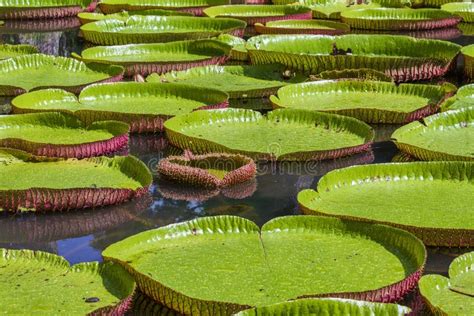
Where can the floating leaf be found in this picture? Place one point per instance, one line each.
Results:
(9, 51)
(42, 9)
(302, 27)
(468, 54)
(464, 9)
(88, 17)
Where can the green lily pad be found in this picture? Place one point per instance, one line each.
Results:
(464, 9)
(36, 282)
(61, 134)
(468, 54)
(369, 101)
(441, 218)
(362, 74)
(327, 306)
(144, 59)
(41, 9)
(259, 13)
(152, 29)
(237, 81)
(302, 27)
(399, 19)
(9, 51)
(88, 17)
(453, 296)
(31, 72)
(145, 106)
(192, 6)
(285, 134)
(464, 98)
(403, 58)
(443, 136)
(238, 51)
(289, 258)
(467, 29)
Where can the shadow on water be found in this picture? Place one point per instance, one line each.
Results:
(82, 235)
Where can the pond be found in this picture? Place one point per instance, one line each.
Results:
(81, 236)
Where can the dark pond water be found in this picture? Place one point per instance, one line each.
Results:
(81, 236)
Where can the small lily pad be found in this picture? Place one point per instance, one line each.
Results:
(291, 257)
(36, 282)
(464, 98)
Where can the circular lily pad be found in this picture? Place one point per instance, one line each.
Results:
(9, 51)
(443, 136)
(241, 266)
(89, 17)
(285, 134)
(468, 54)
(399, 19)
(152, 29)
(327, 306)
(237, 81)
(42, 9)
(192, 6)
(36, 282)
(302, 27)
(259, 13)
(144, 59)
(453, 296)
(401, 57)
(441, 218)
(464, 9)
(369, 101)
(144, 106)
(32, 72)
(29, 183)
(61, 135)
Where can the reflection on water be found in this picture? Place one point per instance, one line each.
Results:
(81, 236)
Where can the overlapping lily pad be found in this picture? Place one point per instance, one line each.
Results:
(9, 51)
(31, 183)
(302, 27)
(327, 306)
(464, 98)
(453, 296)
(285, 134)
(259, 13)
(61, 135)
(36, 282)
(31, 72)
(144, 59)
(152, 29)
(440, 218)
(144, 106)
(89, 17)
(403, 58)
(238, 51)
(369, 101)
(464, 9)
(443, 136)
(237, 81)
(192, 6)
(396, 19)
(241, 266)
(42, 9)
(468, 53)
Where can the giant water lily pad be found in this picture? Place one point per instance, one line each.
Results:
(61, 135)
(36, 282)
(290, 257)
(464, 98)
(29, 183)
(153, 29)
(464, 9)
(88, 17)
(327, 306)
(9, 51)
(31, 72)
(468, 53)
(259, 13)
(144, 106)
(237, 81)
(370, 101)
(302, 27)
(453, 296)
(441, 218)
(42, 9)
(144, 59)
(443, 136)
(192, 6)
(399, 19)
(285, 134)
(403, 58)
(238, 51)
